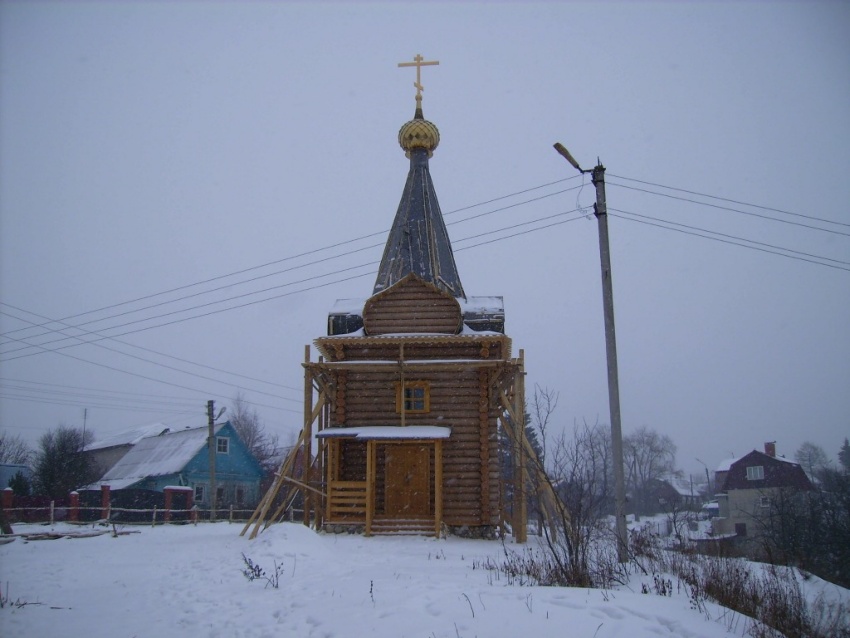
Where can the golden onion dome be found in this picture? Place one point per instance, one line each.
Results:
(418, 133)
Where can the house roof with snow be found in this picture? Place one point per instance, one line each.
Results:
(156, 455)
(128, 437)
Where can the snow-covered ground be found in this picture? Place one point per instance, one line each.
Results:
(187, 581)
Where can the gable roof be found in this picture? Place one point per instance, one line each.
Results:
(418, 242)
(158, 455)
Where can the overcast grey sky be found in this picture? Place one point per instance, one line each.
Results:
(146, 147)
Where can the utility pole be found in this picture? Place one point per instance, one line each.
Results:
(600, 210)
(211, 444)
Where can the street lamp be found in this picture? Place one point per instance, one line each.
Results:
(601, 211)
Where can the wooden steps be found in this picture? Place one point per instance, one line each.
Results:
(403, 527)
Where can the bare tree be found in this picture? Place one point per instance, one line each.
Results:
(14, 450)
(60, 464)
(543, 405)
(812, 458)
(581, 471)
(264, 446)
(649, 457)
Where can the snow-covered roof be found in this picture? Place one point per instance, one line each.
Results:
(484, 304)
(726, 465)
(348, 306)
(158, 455)
(684, 486)
(388, 432)
(128, 437)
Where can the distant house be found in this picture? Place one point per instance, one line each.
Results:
(747, 487)
(181, 458)
(676, 491)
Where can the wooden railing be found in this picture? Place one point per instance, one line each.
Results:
(346, 501)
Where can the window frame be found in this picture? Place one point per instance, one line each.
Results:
(200, 489)
(755, 472)
(410, 402)
(218, 445)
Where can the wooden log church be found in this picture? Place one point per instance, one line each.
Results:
(403, 407)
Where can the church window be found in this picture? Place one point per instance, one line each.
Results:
(416, 399)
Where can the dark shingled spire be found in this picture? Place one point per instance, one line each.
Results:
(418, 242)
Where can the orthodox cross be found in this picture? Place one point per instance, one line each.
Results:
(418, 62)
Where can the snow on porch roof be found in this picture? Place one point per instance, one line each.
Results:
(388, 432)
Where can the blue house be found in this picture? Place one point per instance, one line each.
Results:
(181, 457)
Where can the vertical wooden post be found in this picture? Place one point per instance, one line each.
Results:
(484, 445)
(308, 434)
(520, 512)
(329, 453)
(321, 452)
(403, 389)
(438, 486)
(370, 485)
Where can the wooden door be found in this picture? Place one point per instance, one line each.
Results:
(407, 480)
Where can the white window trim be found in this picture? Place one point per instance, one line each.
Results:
(203, 488)
(218, 442)
(757, 473)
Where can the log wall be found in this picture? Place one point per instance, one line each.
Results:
(414, 332)
(412, 305)
(461, 400)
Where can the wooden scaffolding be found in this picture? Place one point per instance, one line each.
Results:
(311, 469)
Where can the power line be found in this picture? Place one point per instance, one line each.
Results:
(725, 241)
(142, 376)
(734, 210)
(204, 305)
(369, 264)
(98, 393)
(93, 342)
(79, 403)
(304, 254)
(152, 318)
(731, 201)
(230, 285)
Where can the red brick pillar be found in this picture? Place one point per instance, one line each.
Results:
(104, 501)
(74, 510)
(169, 496)
(7, 498)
